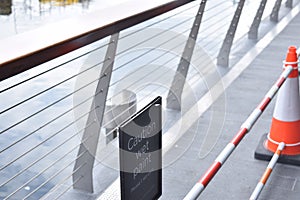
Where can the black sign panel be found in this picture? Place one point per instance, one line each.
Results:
(140, 141)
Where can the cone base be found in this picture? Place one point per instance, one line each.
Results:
(261, 153)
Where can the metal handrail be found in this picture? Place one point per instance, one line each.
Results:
(36, 47)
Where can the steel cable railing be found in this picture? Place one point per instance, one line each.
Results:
(153, 48)
(44, 141)
(52, 104)
(46, 107)
(147, 52)
(56, 174)
(52, 164)
(30, 99)
(49, 122)
(49, 152)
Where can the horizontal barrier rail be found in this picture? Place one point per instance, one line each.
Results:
(245, 128)
(259, 187)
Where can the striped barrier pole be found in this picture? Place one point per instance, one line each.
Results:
(245, 128)
(259, 187)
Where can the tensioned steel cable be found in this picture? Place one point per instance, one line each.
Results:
(194, 6)
(147, 52)
(152, 37)
(120, 114)
(185, 10)
(55, 163)
(218, 23)
(44, 141)
(158, 46)
(146, 74)
(143, 77)
(49, 122)
(51, 87)
(129, 62)
(145, 65)
(55, 67)
(159, 21)
(47, 89)
(45, 155)
(90, 51)
(56, 174)
(42, 126)
(132, 84)
(39, 174)
(129, 107)
(50, 165)
(39, 93)
(28, 117)
(68, 188)
(108, 154)
(144, 97)
(58, 161)
(216, 16)
(140, 89)
(150, 50)
(52, 177)
(60, 183)
(217, 5)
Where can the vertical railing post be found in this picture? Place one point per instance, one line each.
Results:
(223, 56)
(289, 4)
(83, 169)
(275, 11)
(175, 92)
(253, 31)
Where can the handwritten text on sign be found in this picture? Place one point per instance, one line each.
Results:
(140, 154)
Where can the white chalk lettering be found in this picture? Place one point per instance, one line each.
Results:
(140, 168)
(145, 133)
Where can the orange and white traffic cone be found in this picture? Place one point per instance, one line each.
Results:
(285, 125)
(286, 117)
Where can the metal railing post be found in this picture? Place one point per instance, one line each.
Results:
(289, 4)
(175, 92)
(275, 11)
(223, 56)
(253, 31)
(83, 168)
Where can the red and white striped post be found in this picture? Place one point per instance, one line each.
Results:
(245, 128)
(259, 187)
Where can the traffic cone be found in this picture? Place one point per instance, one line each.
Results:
(285, 125)
(286, 118)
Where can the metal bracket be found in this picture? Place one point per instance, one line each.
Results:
(223, 56)
(253, 31)
(275, 11)
(289, 4)
(175, 92)
(83, 169)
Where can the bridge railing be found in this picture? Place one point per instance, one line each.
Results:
(66, 86)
